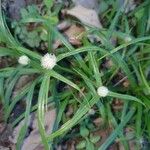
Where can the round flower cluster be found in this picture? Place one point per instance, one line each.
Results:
(102, 91)
(48, 61)
(23, 60)
(128, 39)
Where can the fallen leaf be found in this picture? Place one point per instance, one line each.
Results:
(88, 4)
(69, 111)
(104, 134)
(5, 133)
(23, 80)
(16, 131)
(4, 148)
(86, 16)
(74, 34)
(14, 8)
(56, 44)
(63, 25)
(71, 145)
(98, 121)
(33, 141)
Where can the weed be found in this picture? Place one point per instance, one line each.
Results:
(82, 75)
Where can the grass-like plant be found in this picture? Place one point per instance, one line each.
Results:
(82, 72)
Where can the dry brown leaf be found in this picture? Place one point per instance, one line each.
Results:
(104, 133)
(63, 25)
(74, 31)
(23, 80)
(4, 148)
(56, 44)
(86, 16)
(74, 34)
(33, 141)
(98, 122)
(6, 131)
(90, 4)
(16, 131)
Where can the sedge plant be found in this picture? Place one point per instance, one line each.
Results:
(75, 76)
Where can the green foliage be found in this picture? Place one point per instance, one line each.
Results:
(78, 73)
(84, 131)
(48, 3)
(81, 145)
(89, 139)
(94, 139)
(31, 34)
(31, 37)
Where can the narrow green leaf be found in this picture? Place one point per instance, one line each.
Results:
(144, 81)
(83, 109)
(43, 97)
(48, 3)
(23, 130)
(117, 131)
(19, 95)
(2, 90)
(9, 90)
(95, 69)
(125, 97)
(63, 79)
(137, 40)
(7, 52)
(81, 50)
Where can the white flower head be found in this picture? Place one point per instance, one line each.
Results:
(23, 60)
(48, 61)
(128, 39)
(91, 112)
(102, 91)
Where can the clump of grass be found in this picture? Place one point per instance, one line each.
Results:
(83, 76)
